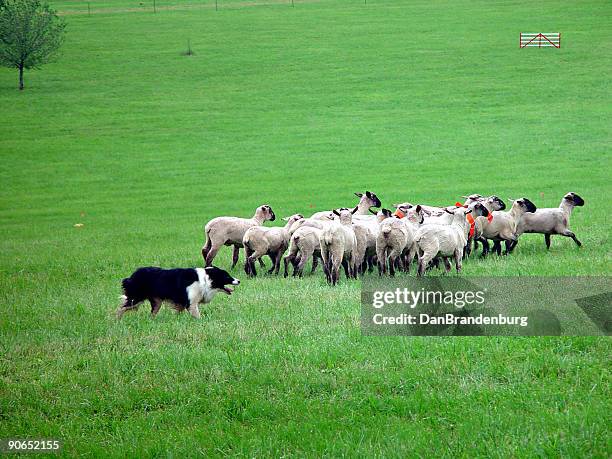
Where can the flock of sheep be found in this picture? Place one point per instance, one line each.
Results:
(356, 239)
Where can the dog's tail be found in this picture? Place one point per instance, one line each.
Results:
(126, 284)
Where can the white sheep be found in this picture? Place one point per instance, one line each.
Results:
(230, 231)
(503, 226)
(371, 223)
(304, 244)
(491, 203)
(338, 244)
(395, 245)
(549, 221)
(259, 241)
(445, 241)
(391, 243)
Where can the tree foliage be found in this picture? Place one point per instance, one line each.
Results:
(31, 33)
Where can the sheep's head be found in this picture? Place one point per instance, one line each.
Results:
(471, 199)
(458, 212)
(524, 204)
(293, 218)
(479, 210)
(416, 214)
(383, 214)
(369, 198)
(266, 212)
(345, 215)
(495, 203)
(402, 210)
(573, 199)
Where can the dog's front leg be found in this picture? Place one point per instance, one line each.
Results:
(194, 310)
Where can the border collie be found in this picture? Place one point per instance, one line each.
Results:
(183, 288)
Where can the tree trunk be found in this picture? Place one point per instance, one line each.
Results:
(21, 77)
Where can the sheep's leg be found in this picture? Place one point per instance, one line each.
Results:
(497, 247)
(392, 260)
(568, 233)
(458, 259)
(468, 247)
(370, 261)
(278, 259)
(235, 256)
(273, 258)
(447, 265)
(411, 254)
(286, 260)
(315, 263)
(335, 273)
(347, 269)
(510, 245)
(327, 272)
(382, 260)
(251, 261)
(212, 253)
(547, 241)
(247, 262)
(485, 247)
(325, 256)
(423, 262)
(206, 248)
(155, 305)
(299, 269)
(261, 263)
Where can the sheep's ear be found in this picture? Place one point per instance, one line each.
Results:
(395, 205)
(511, 200)
(465, 197)
(368, 194)
(372, 212)
(418, 208)
(335, 212)
(468, 211)
(448, 211)
(354, 210)
(286, 219)
(359, 195)
(425, 211)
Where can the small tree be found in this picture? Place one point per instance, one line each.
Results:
(30, 34)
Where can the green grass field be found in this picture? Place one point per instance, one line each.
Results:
(298, 108)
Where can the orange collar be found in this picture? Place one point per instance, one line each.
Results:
(470, 220)
(490, 217)
(399, 214)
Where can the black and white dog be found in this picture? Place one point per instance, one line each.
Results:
(183, 288)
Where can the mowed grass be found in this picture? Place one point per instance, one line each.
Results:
(298, 108)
